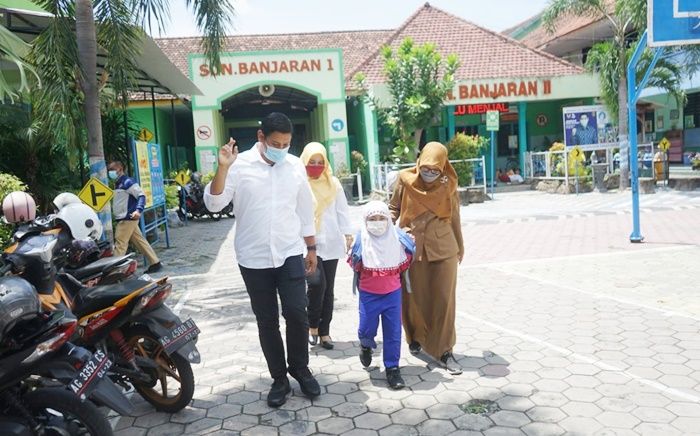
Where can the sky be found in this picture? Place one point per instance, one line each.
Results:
(294, 16)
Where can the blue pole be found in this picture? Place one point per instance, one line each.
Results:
(522, 133)
(493, 158)
(633, 91)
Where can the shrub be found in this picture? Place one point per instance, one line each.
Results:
(358, 161)
(8, 183)
(171, 196)
(208, 177)
(465, 147)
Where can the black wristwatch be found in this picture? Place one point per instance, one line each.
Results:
(311, 248)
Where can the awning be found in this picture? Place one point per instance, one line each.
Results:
(155, 72)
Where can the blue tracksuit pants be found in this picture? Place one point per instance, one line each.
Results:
(388, 307)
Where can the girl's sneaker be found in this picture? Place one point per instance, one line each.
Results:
(393, 377)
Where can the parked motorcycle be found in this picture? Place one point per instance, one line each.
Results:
(88, 261)
(152, 349)
(37, 363)
(192, 202)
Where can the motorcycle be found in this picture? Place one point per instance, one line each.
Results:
(192, 202)
(128, 321)
(90, 262)
(38, 363)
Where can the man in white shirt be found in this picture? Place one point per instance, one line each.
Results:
(274, 210)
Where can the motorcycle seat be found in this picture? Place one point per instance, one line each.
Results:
(90, 300)
(96, 267)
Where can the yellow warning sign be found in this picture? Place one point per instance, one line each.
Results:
(182, 178)
(576, 153)
(664, 145)
(145, 135)
(96, 194)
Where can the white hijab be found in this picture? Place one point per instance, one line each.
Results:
(381, 252)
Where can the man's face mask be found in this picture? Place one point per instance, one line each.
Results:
(275, 155)
(112, 174)
(584, 122)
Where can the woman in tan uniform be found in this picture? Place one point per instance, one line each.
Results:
(426, 204)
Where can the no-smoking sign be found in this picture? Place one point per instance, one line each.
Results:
(203, 132)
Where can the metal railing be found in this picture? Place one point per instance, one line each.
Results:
(543, 164)
(384, 175)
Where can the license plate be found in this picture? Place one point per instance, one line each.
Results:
(90, 374)
(179, 336)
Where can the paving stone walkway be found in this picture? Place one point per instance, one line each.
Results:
(564, 328)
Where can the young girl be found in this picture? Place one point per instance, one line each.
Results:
(333, 238)
(380, 254)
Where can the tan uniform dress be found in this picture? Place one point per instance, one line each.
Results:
(429, 311)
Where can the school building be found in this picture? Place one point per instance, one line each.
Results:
(309, 76)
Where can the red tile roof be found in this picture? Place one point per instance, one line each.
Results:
(356, 45)
(482, 53)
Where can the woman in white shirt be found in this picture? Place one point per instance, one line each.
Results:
(333, 239)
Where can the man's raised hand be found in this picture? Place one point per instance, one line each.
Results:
(228, 153)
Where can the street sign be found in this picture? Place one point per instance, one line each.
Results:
(182, 178)
(664, 145)
(145, 135)
(576, 153)
(673, 22)
(492, 121)
(96, 194)
(203, 132)
(338, 125)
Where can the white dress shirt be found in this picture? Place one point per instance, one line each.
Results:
(335, 224)
(274, 208)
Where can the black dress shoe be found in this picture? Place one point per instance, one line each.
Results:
(313, 339)
(328, 345)
(278, 394)
(308, 384)
(450, 364)
(414, 347)
(154, 268)
(393, 377)
(366, 356)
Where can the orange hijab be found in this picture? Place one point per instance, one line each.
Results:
(420, 197)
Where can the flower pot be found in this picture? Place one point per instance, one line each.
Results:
(348, 183)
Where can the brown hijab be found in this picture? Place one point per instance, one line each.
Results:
(436, 197)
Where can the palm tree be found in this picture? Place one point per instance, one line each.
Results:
(72, 96)
(609, 58)
(14, 50)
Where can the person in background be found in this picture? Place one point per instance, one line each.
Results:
(127, 206)
(425, 203)
(380, 254)
(274, 210)
(333, 240)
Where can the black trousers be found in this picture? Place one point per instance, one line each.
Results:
(321, 297)
(263, 285)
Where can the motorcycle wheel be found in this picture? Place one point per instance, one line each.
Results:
(170, 368)
(60, 412)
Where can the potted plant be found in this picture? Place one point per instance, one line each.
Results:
(347, 180)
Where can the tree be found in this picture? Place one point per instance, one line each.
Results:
(117, 26)
(610, 58)
(419, 81)
(13, 50)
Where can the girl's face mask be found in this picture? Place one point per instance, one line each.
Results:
(315, 171)
(377, 228)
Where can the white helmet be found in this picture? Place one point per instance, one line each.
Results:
(64, 199)
(81, 220)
